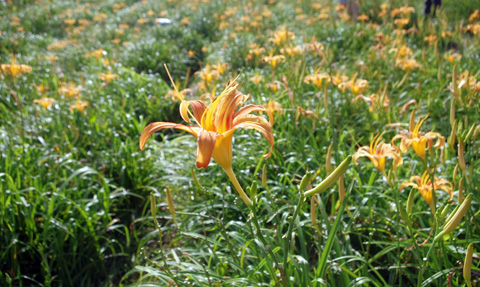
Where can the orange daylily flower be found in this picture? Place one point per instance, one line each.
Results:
(318, 79)
(15, 69)
(424, 185)
(80, 106)
(44, 102)
(419, 142)
(216, 124)
(377, 152)
(108, 77)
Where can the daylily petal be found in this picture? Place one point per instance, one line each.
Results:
(198, 108)
(153, 127)
(254, 108)
(226, 110)
(258, 123)
(206, 145)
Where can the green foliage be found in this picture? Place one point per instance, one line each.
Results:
(75, 188)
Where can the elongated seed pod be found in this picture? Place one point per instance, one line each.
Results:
(455, 219)
(460, 191)
(328, 162)
(461, 157)
(331, 179)
(171, 207)
(467, 265)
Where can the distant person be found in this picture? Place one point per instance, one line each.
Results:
(351, 6)
(428, 6)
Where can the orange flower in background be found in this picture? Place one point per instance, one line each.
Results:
(377, 152)
(273, 107)
(273, 60)
(256, 79)
(108, 77)
(98, 53)
(216, 124)
(80, 106)
(70, 91)
(424, 185)
(318, 79)
(44, 102)
(419, 142)
(15, 69)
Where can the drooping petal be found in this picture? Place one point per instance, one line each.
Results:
(206, 145)
(440, 139)
(153, 127)
(258, 123)
(363, 151)
(254, 108)
(198, 108)
(405, 142)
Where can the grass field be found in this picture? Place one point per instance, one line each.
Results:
(354, 162)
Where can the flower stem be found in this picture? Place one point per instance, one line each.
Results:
(238, 187)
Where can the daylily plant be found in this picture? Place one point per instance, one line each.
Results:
(424, 185)
(216, 124)
(414, 137)
(377, 152)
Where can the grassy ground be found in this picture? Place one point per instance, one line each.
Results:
(76, 191)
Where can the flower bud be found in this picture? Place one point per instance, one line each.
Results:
(460, 191)
(452, 112)
(264, 176)
(171, 207)
(475, 133)
(451, 139)
(411, 196)
(456, 218)
(461, 157)
(305, 180)
(455, 171)
(412, 121)
(470, 133)
(328, 162)
(467, 265)
(332, 178)
(341, 188)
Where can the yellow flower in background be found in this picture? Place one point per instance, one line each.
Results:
(44, 102)
(108, 77)
(359, 86)
(426, 188)
(15, 69)
(419, 142)
(273, 60)
(57, 45)
(80, 106)
(41, 88)
(256, 79)
(70, 91)
(273, 107)
(273, 86)
(452, 57)
(282, 36)
(407, 64)
(98, 53)
(51, 58)
(318, 79)
(215, 126)
(70, 21)
(377, 152)
(363, 18)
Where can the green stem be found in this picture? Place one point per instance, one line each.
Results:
(290, 228)
(265, 243)
(238, 187)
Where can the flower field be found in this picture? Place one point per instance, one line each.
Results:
(239, 143)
